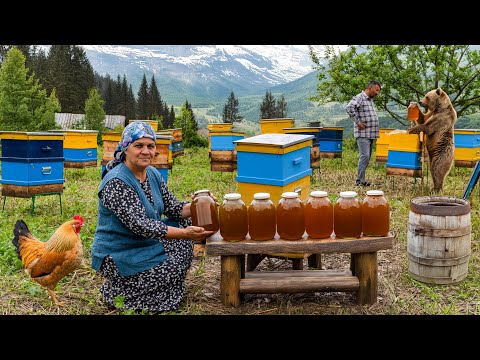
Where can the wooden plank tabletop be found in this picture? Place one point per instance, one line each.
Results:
(215, 245)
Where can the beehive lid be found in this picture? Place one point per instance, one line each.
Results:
(279, 140)
(74, 131)
(304, 129)
(161, 136)
(28, 135)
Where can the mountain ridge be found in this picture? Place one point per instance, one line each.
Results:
(205, 75)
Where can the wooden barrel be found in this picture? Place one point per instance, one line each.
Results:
(439, 239)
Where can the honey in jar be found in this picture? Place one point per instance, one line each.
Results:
(375, 214)
(413, 111)
(204, 211)
(347, 216)
(318, 215)
(233, 218)
(290, 216)
(262, 217)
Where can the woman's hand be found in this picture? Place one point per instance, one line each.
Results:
(197, 234)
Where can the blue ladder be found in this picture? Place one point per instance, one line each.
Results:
(472, 182)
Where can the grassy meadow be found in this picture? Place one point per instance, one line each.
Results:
(398, 293)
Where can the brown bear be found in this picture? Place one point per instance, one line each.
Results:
(437, 123)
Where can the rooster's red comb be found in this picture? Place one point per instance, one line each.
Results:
(78, 217)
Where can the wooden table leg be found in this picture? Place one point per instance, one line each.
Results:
(315, 261)
(365, 266)
(253, 260)
(297, 264)
(242, 274)
(231, 272)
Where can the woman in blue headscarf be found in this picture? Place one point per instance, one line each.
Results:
(143, 260)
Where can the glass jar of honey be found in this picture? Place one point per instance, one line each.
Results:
(318, 215)
(347, 216)
(375, 214)
(204, 211)
(290, 216)
(262, 217)
(233, 218)
(413, 111)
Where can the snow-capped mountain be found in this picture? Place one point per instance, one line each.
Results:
(203, 73)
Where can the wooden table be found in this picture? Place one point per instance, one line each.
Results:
(361, 278)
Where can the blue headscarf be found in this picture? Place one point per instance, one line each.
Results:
(132, 132)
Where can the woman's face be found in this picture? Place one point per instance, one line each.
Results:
(140, 153)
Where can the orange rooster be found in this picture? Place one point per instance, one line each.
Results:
(49, 262)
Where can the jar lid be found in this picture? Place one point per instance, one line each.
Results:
(318, 193)
(289, 195)
(374, 192)
(261, 196)
(201, 191)
(232, 196)
(348, 194)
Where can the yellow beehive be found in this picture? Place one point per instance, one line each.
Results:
(302, 186)
(110, 140)
(382, 144)
(467, 154)
(79, 148)
(153, 123)
(220, 126)
(404, 142)
(275, 126)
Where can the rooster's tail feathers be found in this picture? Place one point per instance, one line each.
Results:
(20, 229)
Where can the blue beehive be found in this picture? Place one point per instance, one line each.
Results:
(315, 149)
(32, 163)
(223, 156)
(404, 155)
(224, 140)
(273, 163)
(331, 142)
(79, 148)
(467, 147)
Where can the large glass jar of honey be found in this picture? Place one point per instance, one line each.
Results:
(204, 211)
(413, 112)
(261, 217)
(318, 215)
(375, 214)
(290, 216)
(233, 218)
(347, 216)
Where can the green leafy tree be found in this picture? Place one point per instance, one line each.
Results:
(230, 110)
(94, 113)
(24, 104)
(406, 72)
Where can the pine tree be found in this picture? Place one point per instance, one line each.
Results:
(130, 108)
(155, 105)
(119, 107)
(230, 110)
(71, 74)
(268, 108)
(186, 121)
(142, 100)
(24, 104)
(281, 107)
(109, 97)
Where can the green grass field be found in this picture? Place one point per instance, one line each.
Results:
(398, 292)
